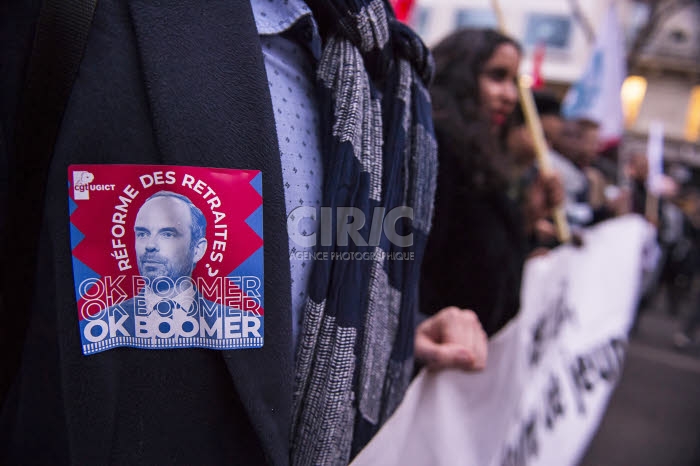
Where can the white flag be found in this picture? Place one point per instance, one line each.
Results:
(655, 156)
(596, 96)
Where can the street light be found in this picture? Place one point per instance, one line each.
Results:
(632, 94)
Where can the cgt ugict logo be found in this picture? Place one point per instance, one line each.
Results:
(302, 226)
(82, 185)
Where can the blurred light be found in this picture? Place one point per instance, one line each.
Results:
(692, 121)
(632, 94)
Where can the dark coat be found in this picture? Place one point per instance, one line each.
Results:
(476, 249)
(176, 83)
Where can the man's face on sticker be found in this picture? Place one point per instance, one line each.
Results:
(164, 246)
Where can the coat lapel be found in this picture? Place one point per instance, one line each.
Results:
(210, 106)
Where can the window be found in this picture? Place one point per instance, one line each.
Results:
(419, 19)
(475, 17)
(552, 30)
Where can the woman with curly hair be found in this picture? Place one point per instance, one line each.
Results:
(479, 241)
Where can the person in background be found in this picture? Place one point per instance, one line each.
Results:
(562, 146)
(599, 199)
(479, 242)
(636, 171)
(689, 323)
(675, 266)
(588, 152)
(521, 149)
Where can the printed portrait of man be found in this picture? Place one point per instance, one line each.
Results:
(170, 238)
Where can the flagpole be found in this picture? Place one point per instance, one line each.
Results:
(527, 102)
(651, 208)
(655, 164)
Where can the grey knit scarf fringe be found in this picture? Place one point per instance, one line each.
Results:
(355, 355)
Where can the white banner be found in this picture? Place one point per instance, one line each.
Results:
(550, 371)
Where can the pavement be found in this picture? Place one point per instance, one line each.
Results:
(653, 418)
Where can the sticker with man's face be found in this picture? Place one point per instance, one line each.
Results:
(167, 256)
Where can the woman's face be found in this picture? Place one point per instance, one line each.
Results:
(498, 93)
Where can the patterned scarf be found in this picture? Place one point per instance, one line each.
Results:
(355, 355)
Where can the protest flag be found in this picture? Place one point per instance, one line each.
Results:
(537, 61)
(596, 95)
(402, 9)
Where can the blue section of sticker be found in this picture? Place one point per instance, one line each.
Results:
(82, 272)
(255, 221)
(257, 183)
(71, 205)
(75, 236)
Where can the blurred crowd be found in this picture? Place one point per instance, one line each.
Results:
(494, 201)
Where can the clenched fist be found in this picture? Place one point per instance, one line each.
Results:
(452, 338)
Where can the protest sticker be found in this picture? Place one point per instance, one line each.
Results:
(167, 256)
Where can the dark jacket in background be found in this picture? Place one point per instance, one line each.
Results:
(476, 249)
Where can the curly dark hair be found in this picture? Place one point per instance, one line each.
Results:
(461, 130)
